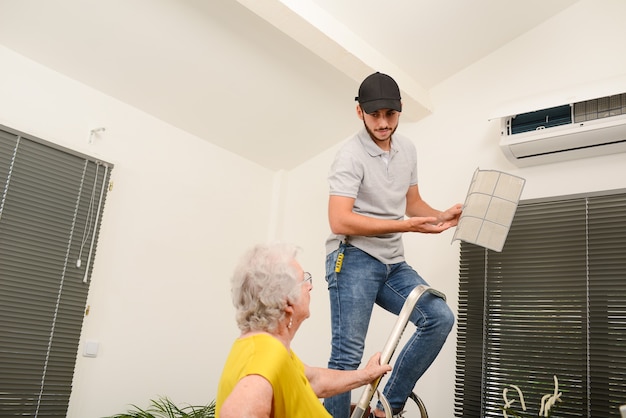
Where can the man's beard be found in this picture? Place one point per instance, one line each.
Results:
(373, 136)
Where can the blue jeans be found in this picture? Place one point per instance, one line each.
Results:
(363, 281)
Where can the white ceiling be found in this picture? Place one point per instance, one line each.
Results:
(273, 81)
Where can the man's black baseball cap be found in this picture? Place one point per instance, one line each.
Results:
(379, 91)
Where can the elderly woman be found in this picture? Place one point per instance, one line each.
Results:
(262, 377)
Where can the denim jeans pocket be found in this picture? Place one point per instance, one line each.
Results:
(331, 276)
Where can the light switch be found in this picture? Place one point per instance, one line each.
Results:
(91, 349)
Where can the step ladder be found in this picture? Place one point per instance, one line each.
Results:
(385, 357)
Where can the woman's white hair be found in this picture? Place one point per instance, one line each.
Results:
(263, 283)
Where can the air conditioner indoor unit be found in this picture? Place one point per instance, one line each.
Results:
(566, 132)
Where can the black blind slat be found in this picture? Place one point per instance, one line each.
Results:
(553, 302)
(47, 208)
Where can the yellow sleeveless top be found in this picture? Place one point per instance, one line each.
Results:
(264, 355)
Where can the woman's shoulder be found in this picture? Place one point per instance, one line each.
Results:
(262, 341)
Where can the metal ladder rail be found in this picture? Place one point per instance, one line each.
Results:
(390, 348)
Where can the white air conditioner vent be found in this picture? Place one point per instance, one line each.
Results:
(565, 132)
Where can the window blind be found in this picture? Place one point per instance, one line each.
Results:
(50, 213)
(553, 302)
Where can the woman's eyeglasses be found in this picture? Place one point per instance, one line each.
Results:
(308, 278)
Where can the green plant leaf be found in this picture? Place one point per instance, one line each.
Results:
(166, 408)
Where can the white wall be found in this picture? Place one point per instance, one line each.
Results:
(182, 211)
(581, 45)
(175, 222)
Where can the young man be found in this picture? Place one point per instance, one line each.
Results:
(374, 198)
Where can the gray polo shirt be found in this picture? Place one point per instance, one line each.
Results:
(379, 188)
